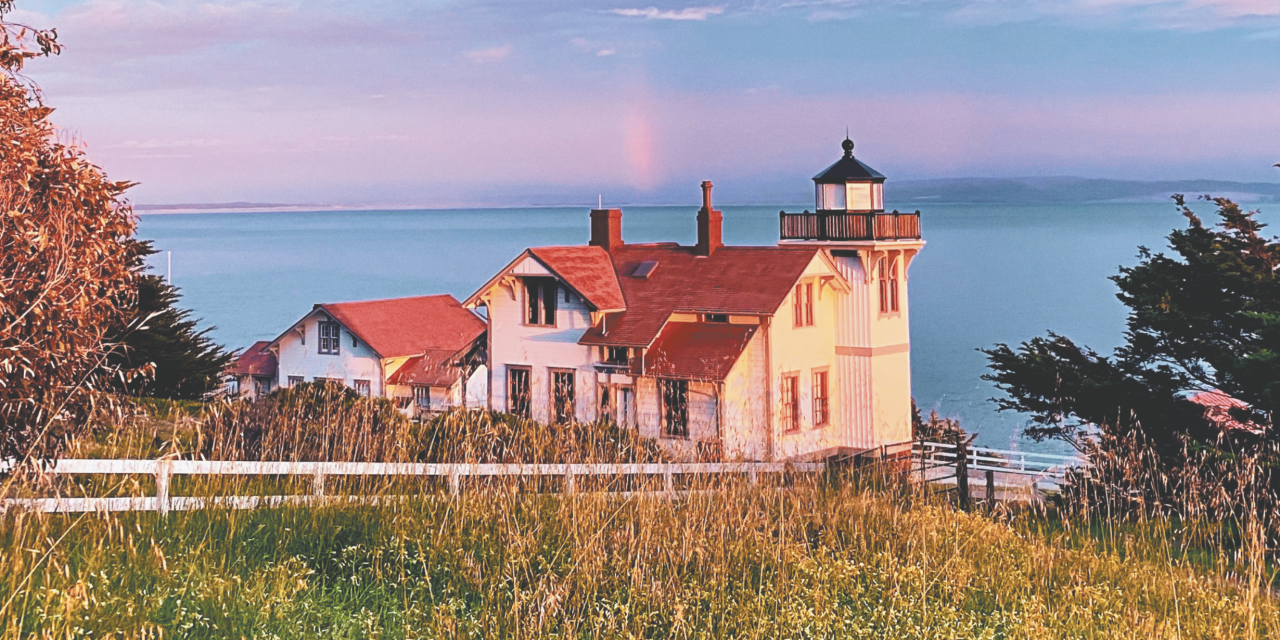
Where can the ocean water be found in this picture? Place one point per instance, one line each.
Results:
(989, 273)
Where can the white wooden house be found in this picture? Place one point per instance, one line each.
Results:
(789, 351)
(426, 352)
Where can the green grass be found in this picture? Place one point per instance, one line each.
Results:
(804, 557)
(812, 560)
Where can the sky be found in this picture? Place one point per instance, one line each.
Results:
(383, 102)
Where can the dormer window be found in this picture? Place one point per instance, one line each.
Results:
(716, 318)
(540, 301)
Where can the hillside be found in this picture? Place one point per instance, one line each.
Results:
(1069, 189)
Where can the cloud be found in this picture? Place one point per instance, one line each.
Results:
(492, 54)
(654, 13)
(597, 49)
(1197, 15)
(1191, 15)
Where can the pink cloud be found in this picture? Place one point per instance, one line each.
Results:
(492, 54)
(654, 13)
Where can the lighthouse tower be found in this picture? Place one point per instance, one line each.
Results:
(872, 249)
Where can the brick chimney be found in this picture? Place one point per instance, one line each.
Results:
(606, 228)
(709, 223)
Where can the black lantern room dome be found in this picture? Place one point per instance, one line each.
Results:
(848, 169)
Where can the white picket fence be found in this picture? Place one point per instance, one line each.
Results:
(929, 462)
(164, 469)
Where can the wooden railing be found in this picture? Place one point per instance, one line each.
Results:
(836, 226)
(164, 469)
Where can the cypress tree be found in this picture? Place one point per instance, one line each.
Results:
(185, 362)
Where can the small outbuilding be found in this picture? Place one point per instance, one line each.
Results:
(425, 352)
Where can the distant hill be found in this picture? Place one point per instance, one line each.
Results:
(1071, 189)
(900, 193)
(222, 206)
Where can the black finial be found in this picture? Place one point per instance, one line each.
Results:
(848, 146)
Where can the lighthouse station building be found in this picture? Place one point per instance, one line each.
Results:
(795, 350)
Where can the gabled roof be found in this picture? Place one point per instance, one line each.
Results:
(435, 368)
(588, 271)
(254, 361)
(697, 350)
(399, 327)
(585, 269)
(734, 280)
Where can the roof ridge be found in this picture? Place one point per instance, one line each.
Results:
(399, 299)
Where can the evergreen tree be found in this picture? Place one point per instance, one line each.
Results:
(185, 362)
(1204, 319)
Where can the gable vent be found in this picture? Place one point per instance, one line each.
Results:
(645, 269)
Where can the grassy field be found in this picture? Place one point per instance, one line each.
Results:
(811, 559)
(850, 555)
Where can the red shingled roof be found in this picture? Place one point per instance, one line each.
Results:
(697, 351)
(744, 280)
(1217, 409)
(588, 271)
(255, 361)
(434, 368)
(409, 326)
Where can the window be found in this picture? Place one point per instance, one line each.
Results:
(261, 386)
(675, 407)
(802, 304)
(562, 396)
(626, 406)
(295, 381)
(893, 287)
(790, 397)
(888, 285)
(329, 338)
(821, 406)
(233, 386)
(518, 391)
(605, 407)
(363, 388)
(617, 355)
(422, 397)
(719, 318)
(540, 299)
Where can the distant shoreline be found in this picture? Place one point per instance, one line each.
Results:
(906, 193)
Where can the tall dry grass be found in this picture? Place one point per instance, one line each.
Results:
(848, 554)
(793, 557)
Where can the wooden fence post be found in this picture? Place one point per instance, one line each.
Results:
(162, 486)
(570, 485)
(962, 475)
(668, 482)
(751, 475)
(455, 484)
(317, 483)
(991, 489)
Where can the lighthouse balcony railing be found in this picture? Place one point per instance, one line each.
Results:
(838, 225)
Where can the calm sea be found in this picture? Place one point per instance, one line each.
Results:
(989, 273)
